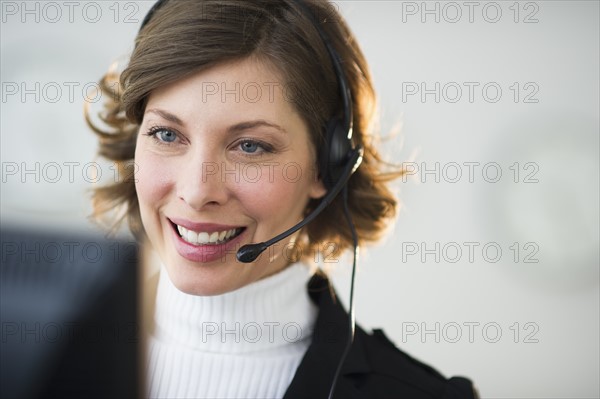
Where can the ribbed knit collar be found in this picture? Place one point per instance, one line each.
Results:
(265, 315)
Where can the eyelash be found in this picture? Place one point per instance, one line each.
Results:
(266, 147)
(152, 132)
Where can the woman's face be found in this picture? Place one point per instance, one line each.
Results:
(222, 160)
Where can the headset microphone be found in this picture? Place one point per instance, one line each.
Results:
(248, 253)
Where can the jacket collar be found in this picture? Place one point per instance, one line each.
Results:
(315, 373)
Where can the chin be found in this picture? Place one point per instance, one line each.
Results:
(204, 280)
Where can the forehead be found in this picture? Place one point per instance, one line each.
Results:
(229, 90)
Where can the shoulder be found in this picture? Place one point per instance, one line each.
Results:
(393, 372)
(374, 366)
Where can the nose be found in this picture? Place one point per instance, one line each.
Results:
(199, 183)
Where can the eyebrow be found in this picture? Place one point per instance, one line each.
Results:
(255, 123)
(238, 127)
(166, 115)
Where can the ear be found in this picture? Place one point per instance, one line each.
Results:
(317, 189)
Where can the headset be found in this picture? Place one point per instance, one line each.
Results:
(338, 159)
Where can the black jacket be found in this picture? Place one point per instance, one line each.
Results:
(374, 368)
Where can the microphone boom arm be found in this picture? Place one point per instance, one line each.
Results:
(248, 253)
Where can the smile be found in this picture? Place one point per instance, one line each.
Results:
(207, 238)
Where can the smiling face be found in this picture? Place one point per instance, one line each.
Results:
(223, 159)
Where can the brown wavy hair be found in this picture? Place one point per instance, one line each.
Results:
(184, 37)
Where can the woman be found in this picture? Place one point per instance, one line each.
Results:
(233, 112)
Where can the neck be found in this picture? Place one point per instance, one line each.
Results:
(265, 315)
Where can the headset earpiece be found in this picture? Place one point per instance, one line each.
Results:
(335, 153)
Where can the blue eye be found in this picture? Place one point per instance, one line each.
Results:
(162, 135)
(167, 136)
(249, 146)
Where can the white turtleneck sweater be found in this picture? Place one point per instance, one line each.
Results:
(246, 343)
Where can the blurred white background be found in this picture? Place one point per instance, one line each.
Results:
(492, 270)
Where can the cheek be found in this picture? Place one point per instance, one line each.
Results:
(278, 190)
(152, 179)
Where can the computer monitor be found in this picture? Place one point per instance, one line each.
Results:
(68, 310)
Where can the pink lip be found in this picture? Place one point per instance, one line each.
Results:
(205, 253)
(206, 227)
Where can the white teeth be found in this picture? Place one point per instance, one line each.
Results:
(192, 236)
(203, 238)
